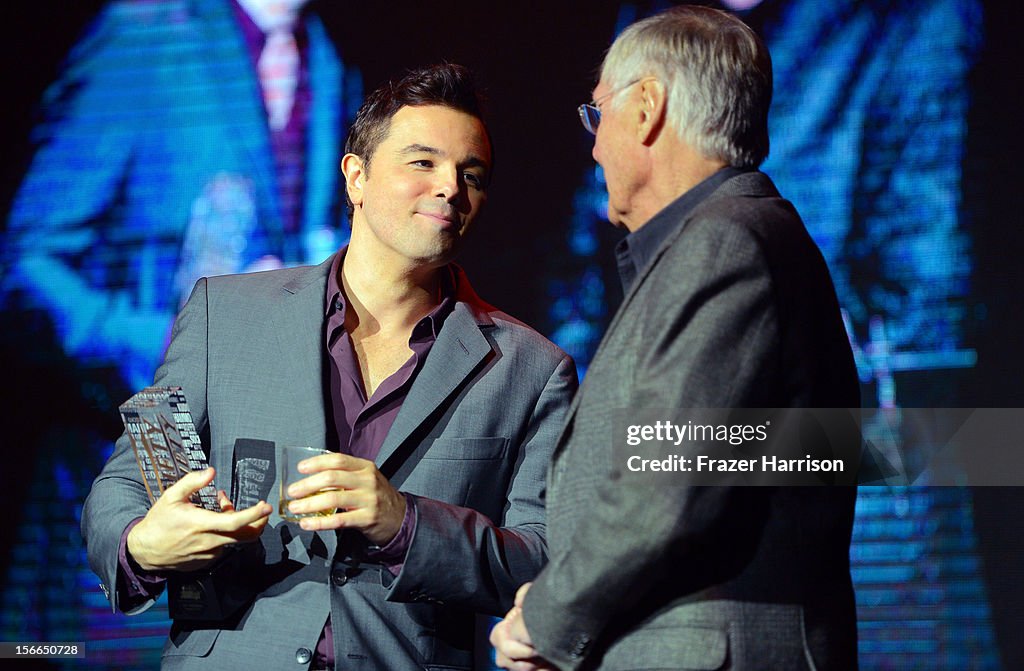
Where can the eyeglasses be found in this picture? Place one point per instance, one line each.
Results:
(590, 113)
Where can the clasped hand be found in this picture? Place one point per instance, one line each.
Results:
(354, 491)
(178, 535)
(512, 643)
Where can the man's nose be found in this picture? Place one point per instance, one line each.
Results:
(447, 185)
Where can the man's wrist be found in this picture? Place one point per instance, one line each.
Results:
(135, 555)
(131, 547)
(134, 578)
(392, 554)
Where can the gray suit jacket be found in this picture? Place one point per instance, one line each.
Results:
(735, 310)
(472, 443)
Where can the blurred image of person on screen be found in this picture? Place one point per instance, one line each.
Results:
(183, 138)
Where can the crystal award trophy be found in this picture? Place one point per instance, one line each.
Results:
(159, 426)
(163, 436)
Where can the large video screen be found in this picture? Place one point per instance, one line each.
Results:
(150, 147)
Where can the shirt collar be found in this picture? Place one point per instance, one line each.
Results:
(427, 327)
(430, 326)
(636, 250)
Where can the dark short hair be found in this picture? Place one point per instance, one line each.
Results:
(447, 85)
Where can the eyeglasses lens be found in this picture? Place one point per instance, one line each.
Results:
(590, 116)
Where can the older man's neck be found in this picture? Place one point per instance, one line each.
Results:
(674, 173)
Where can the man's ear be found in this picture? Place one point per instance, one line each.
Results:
(353, 168)
(652, 111)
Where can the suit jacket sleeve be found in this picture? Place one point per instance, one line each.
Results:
(460, 556)
(710, 330)
(118, 496)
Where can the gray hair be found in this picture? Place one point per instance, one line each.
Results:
(717, 73)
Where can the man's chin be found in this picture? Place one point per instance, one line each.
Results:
(442, 224)
(615, 218)
(443, 253)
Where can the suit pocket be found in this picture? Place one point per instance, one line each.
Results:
(696, 648)
(467, 448)
(190, 643)
(467, 472)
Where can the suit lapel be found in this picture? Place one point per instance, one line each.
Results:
(459, 349)
(298, 323)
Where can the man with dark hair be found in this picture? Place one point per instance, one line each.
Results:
(374, 116)
(728, 304)
(440, 413)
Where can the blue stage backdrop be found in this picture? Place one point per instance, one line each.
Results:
(141, 159)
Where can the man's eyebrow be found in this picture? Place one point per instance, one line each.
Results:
(471, 162)
(419, 149)
(476, 162)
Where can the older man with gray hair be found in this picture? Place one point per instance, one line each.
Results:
(728, 304)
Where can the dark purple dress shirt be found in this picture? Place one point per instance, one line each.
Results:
(363, 423)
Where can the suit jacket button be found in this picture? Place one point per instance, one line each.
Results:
(339, 578)
(303, 655)
(579, 647)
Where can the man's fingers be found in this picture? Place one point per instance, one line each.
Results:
(503, 662)
(516, 650)
(332, 479)
(508, 648)
(343, 519)
(336, 521)
(327, 501)
(312, 484)
(524, 665)
(235, 520)
(335, 461)
(352, 519)
(256, 528)
(224, 502)
(245, 534)
(189, 483)
(336, 471)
